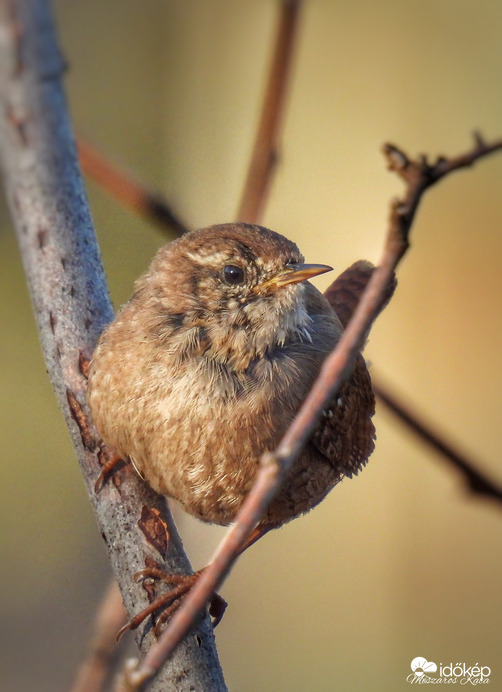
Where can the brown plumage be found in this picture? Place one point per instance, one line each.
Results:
(207, 364)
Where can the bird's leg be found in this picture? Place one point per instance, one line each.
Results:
(181, 584)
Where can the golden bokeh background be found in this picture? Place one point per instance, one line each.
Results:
(400, 562)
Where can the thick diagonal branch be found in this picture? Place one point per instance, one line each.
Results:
(70, 298)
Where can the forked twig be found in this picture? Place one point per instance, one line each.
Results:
(476, 481)
(419, 176)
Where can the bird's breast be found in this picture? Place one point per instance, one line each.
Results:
(212, 424)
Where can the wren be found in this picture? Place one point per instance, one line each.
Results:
(205, 367)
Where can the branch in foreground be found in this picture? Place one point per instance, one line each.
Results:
(68, 289)
(344, 309)
(264, 156)
(419, 176)
(476, 481)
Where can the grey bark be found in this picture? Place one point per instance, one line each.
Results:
(71, 303)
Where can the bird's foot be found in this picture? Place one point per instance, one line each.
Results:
(170, 601)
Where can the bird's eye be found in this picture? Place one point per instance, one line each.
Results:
(233, 275)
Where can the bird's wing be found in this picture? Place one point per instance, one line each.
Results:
(345, 434)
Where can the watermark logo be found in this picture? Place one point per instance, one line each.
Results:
(424, 672)
(420, 666)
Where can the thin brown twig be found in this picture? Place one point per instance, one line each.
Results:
(476, 481)
(126, 190)
(418, 175)
(102, 651)
(273, 467)
(264, 156)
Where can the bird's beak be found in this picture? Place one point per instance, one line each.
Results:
(294, 273)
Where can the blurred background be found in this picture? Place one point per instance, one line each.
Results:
(400, 562)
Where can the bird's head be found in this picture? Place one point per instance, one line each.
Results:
(241, 284)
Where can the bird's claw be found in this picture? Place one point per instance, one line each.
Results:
(170, 601)
(109, 468)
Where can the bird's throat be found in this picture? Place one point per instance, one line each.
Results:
(239, 342)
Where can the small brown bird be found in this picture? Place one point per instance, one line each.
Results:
(206, 366)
